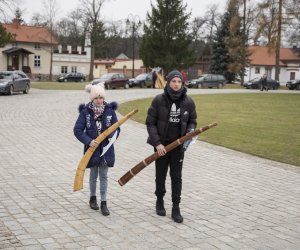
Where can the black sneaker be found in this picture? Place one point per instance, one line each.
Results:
(160, 209)
(176, 215)
(93, 203)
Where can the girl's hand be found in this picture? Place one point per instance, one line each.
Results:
(93, 144)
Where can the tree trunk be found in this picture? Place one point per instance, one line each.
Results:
(91, 74)
(278, 41)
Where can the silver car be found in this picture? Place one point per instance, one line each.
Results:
(14, 81)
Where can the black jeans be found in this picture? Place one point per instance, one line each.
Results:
(174, 159)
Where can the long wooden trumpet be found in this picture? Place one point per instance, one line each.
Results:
(78, 182)
(139, 167)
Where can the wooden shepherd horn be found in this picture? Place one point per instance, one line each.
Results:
(137, 168)
(78, 182)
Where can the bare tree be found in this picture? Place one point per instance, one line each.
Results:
(271, 24)
(38, 20)
(91, 11)
(50, 10)
(6, 6)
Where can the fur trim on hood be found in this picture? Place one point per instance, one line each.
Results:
(112, 105)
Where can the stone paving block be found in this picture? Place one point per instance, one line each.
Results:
(230, 200)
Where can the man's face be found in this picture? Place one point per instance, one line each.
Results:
(175, 84)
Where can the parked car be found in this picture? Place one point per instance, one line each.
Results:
(256, 83)
(113, 80)
(72, 77)
(207, 81)
(14, 81)
(138, 81)
(294, 84)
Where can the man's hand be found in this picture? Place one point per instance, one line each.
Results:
(161, 150)
(93, 144)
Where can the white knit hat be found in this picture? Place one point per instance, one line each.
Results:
(95, 91)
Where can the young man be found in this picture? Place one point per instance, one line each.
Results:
(171, 115)
(263, 83)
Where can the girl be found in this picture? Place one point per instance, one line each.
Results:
(94, 118)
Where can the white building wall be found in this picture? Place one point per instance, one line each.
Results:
(284, 75)
(43, 52)
(80, 61)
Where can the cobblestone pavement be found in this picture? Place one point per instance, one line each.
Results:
(230, 200)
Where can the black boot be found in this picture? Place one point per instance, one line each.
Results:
(93, 203)
(176, 214)
(104, 208)
(160, 209)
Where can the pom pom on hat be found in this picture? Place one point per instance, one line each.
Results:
(95, 91)
(172, 74)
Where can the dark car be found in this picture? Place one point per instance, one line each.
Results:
(256, 83)
(294, 84)
(14, 81)
(207, 81)
(149, 80)
(139, 81)
(72, 77)
(113, 80)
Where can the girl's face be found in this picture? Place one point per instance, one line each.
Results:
(175, 84)
(98, 101)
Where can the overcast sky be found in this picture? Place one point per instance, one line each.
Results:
(116, 9)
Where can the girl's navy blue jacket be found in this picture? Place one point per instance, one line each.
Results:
(85, 130)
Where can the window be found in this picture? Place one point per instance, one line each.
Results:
(37, 61)
(64, 69)
(37, 46)
(257, 70)
(21, 75)
(292, 75)
(74, 69)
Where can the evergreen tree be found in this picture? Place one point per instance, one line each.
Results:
(220, 55)
(166, 40)
(5, 37)
(18, 16)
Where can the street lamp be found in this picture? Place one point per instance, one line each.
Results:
(133, 21)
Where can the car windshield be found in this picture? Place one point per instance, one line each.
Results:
(255, 79)
(141, 76)
(106, 76)
(6, 75)
(202, 77)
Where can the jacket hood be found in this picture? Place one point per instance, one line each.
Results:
(112, 105)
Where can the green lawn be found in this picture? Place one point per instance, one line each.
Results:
(262, 124)
(59, 85)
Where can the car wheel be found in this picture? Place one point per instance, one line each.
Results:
(200, 86)
(126, 85)
(11, 90)
(298, 87)
(26, 91)
(220, 86)
(65, 80)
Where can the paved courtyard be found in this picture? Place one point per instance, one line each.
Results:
(230, 200)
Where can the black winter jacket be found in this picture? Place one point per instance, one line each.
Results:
(157, 120)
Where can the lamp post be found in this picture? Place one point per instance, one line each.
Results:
(133, 21)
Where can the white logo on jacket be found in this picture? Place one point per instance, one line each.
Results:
(108, 120)
(174, 114)
(88, 120)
